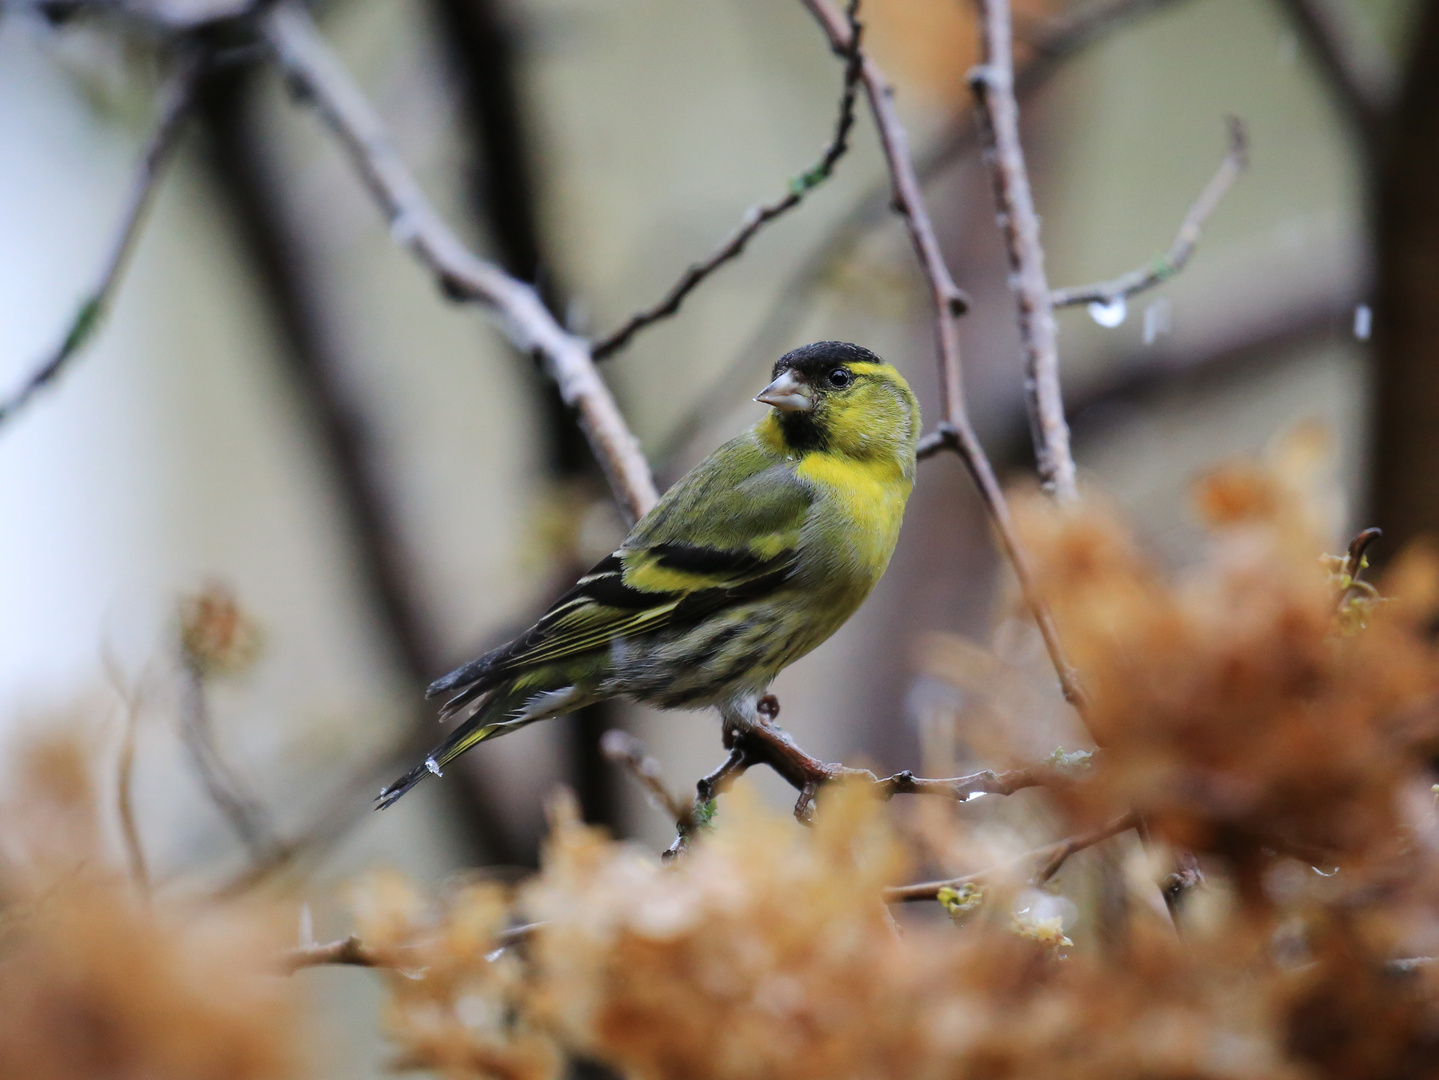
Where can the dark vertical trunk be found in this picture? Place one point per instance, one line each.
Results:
(1405, 487)
(248, 192)
(480, 44)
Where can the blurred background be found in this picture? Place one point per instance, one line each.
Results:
(283, 409)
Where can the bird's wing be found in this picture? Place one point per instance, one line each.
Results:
(726, 533)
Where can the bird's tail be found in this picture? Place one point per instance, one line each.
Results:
(472, 731)
(494, 713)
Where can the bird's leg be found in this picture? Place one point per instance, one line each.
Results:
(749, 727)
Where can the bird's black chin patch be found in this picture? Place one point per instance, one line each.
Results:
(802, 432)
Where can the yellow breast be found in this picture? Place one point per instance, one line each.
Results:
(867, 499)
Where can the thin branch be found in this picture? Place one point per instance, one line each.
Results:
(949, 300)
(352, 952)
(416, 225)
(131, 700)
(624, 749)
(993, 86)
(1054, 44)
(1047, 861)
(1165, 266)
(757, 217)
(240, 808)
(176, 98)
(956, 431)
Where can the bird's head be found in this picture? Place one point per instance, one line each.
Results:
(840, 398)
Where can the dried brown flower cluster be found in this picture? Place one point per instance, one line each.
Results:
(1234, 711)
(454, 995)
(97, 982)
(216, 636)
(767, 953)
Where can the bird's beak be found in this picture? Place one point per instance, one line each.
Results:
(788, 393)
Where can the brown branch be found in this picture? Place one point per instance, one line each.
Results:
(757, 217)
(956, 431)
(418, 227)
(763, 742)
(352, 952)
(1165, 266)
(1048, 859)
(176, 99)
(993, 86)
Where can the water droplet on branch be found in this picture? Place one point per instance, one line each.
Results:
(1109, 314)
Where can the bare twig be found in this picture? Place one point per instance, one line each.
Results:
(624, 749)
(417, 226)
(993, 85)
(176, 98)
(1054, 44)
(131, 701)
(1165, 266)
(1047, 861)
(758, 216)
(240, 808)
(352, 952)
(956, 431)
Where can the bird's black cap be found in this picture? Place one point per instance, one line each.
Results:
(814, 360)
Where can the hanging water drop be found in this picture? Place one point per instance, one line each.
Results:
(1109, 313)
(1156, 320)
(1363, 322)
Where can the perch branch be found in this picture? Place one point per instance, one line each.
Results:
(766, 743)
(993, 86)
(1047, 861)
(758, 216)
(418, 227)
(956, 431)
(1165, 266)
(176, 98)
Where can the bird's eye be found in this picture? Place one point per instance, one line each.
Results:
(840, 377)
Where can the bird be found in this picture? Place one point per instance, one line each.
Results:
(748, 562)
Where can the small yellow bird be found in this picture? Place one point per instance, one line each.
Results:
(753, 558)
